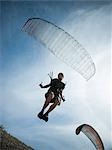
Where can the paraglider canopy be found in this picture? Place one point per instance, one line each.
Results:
(62, 45)
(92, 134)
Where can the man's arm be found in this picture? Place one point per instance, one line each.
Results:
(45, 86)
(62, 95)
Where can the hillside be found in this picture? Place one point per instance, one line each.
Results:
(9, 142)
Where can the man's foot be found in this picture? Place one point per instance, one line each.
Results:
(40, 115)
(45, 118)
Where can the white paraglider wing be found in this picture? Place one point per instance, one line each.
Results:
(92, 135)
(62, 45)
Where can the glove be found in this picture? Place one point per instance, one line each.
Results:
(63, 100)
(41, 85)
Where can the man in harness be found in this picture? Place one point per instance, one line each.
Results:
(53, 95)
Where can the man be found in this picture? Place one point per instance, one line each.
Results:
(53, 95)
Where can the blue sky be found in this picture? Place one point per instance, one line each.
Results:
(26, 62)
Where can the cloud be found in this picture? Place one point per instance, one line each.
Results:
(26, 100)
(93, 26)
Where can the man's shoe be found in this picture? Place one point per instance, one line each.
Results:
(45, 118)
(40, 115)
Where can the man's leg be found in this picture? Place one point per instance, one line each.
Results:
(47, 101)
(51, 107)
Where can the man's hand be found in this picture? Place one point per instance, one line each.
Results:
(63, 100)
(41, 85)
